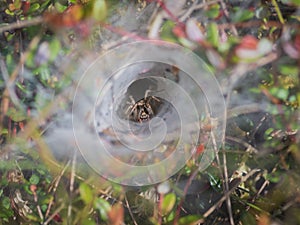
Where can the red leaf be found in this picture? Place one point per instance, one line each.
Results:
(25, 6)
(179, 32)
(69, 18)
(200, 149)
(248, 42)
(297, 42)
(116, 215)
(57, 218)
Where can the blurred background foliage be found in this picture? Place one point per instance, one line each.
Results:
(253, 47)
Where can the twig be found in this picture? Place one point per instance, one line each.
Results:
(21, 24)
(55, 187)
(227, 194)
(224, 175)
(12, 78)
(72, 180)
(277, 9)
(35, 198)
(123, 32)
(130, 212)
(228, 202)
(226, 13)
(54, 214)
(155, 26)
(257, 23)
(266, 183)
(291, 203)
(249, 147)
(9, 84)
(195, 7)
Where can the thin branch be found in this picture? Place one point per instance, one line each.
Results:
(226, 182)
(21, 24)
(9, 85)
(7, 91)
(224, 176)
(130, 212)
(55, 187)
(72, 180)
(226, 13)
(249, 147)
(195, 7)
(226, 195)
(54, 214)
(35, 198)
(277, 9)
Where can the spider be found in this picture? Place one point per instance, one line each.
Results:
(142, 110)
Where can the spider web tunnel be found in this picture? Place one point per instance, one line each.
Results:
(183, 95)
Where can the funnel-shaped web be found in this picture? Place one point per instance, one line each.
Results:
(139, 110)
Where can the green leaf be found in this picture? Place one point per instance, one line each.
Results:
(167, 31)
(296, 2)
(244, 123)
(268, 133)
(6, 202)
(33, 218)
(10, 63)
(289, 70)
(292, 98)
(254, 206)
(242, 15)
(103, 206)
(8, 12)
(6, 211)
(60, 7)
(30, 59)
(168, 203)
(55, 48)
(274, 177)
(214, 182)
(44, 75)
(88, 221)
(3, 131)
(99, 10)
(213, 34)
(34, 179)
(171, 216)
(248, 218)
(34, 7)
(190, 220)
(86, 193)
(16, 115)
(213, 11)
(280, 93)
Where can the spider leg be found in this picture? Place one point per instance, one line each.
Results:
(149, 109)
(132, 105)
(132, 99)
(155, 98)
(134, 108)
(128, 108)
(146, 93)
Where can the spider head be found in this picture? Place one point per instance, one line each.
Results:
(145, 114)
(142, 110)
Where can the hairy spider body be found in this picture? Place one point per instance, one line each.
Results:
(142, 110)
